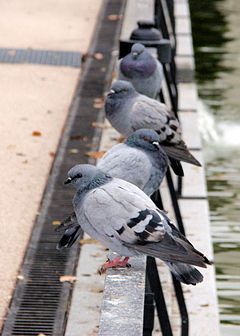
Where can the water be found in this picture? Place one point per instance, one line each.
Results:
(216, 33)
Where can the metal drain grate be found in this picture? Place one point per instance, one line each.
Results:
(40, 301)
(48, 57)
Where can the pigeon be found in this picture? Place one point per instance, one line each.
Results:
(127, 111)
(142, 70)
(140, 160)
(125, 220)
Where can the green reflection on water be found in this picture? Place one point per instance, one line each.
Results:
(216, 36)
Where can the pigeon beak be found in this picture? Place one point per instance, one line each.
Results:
(111, 92)
(156, 144)
(68, 180)
(135, 54)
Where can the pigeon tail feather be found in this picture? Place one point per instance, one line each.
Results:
(180, 152)
(186, 274)
(69, 237)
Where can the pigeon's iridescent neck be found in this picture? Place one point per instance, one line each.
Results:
(100, 179)
(143, 67)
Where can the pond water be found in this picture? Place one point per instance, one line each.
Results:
(216, 35)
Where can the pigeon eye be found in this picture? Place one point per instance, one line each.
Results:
(146, 139)
(78, 176)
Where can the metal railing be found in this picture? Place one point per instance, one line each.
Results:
(154, 295)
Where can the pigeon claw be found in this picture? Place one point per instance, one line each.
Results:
(115, 263)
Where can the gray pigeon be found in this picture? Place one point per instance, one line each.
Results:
(127, 111)
(139, 160)
(124, 219)
(142, 70)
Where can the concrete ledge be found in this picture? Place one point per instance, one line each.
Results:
(123, 300)
(181, 8)
(189, 120)
(182, 25)
(185, 62)
(187, 96)
(184, 45)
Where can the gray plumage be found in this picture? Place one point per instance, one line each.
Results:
(124, 219)
(142, 70)
(127, 111)
(139, 160)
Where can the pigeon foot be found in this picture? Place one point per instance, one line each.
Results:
(115, 263)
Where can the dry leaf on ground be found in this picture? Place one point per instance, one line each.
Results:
(88, 241)
(67, 278)
(56, 222)
(36, 133)
(96, 124)
(73, 151)
(98, 103)
(98, 56)
(96, 155)
(114, 17)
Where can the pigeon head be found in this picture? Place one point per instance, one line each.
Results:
(139, 63)
(144, 138)
(121, 89)
(86, 177)
(137, 49)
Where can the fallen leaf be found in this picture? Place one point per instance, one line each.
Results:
(114, 17)
(25, 161)
(88, 241)
(96, 155)
(52, 154)
(91, 145)
(36, 133)
(68, 278)
(56, 222)
(97, 290)
(98, 105)
(96, 124)
(78, 137)
(98, 100)
(98, 56)
(73, 151)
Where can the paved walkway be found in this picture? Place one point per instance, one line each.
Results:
(34, 104)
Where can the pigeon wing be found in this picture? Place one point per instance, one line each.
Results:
(123, 214)
(112, 208)
(123, 162)
(148, 113)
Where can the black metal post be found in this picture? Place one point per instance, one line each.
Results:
(156, 287)
(175, 202)
(182, 307)
(148, 321)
